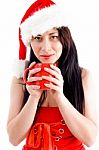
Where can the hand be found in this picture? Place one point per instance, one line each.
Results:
(34, 90)
(56, 84)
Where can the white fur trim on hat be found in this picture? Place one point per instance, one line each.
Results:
(18, 67)
(41, 21)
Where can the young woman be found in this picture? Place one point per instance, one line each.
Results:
(63, 117)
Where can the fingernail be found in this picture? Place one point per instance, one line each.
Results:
(45, 68)
(46, 84)
(43, 76)
(51, 65)
(38, 68)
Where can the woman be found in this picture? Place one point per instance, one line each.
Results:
(63, 117)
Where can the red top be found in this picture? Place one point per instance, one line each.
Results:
(49, 132)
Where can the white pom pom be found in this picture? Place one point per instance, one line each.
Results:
(18, 67)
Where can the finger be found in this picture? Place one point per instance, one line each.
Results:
(52, 72)
(33, 71)
(31, 79)
(55, 68)
(52, 86)
(32, 64)
(51, 79)
(33, 87)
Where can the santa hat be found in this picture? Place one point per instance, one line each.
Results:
(41, 16)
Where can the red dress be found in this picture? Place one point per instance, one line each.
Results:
(49, 132)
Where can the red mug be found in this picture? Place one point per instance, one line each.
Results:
(42, 72)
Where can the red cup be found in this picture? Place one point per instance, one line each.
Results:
(41, 73)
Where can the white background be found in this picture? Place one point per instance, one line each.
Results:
(83, 19)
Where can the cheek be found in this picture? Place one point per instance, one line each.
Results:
(58, 48)
(35, 49)
(35, 52)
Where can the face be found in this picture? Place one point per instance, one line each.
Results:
(47, 47)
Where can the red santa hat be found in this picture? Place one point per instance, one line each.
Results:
(41, 16)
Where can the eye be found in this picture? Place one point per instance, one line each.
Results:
(38, 38)
(54, 37)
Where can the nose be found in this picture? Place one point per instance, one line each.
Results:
(46, 45)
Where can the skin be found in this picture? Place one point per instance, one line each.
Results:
(47, 44)
(84, 127)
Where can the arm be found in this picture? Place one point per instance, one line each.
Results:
(84, 127)
(20, 117)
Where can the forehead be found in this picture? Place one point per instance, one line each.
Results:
(53, 30)
(50, 31)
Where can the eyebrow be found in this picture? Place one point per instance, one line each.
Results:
(49, 33)
(39, 35)
(53, 33)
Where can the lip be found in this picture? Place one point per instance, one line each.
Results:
(47, 56)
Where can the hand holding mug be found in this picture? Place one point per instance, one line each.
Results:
(34, 90)
(36, 72)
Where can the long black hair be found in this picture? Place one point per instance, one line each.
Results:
(70, 69)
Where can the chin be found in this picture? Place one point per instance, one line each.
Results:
(48, 61)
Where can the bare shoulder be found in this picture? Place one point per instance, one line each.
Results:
(89, 95)
(87, 78)
(88, 85)
(19, 82)
(85, 73)
(17, 89)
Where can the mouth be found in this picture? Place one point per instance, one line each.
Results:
(47, 56)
